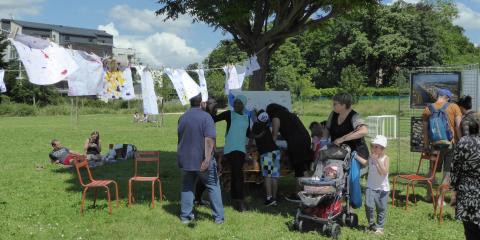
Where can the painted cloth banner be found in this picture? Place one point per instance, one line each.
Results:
(191, 87)
(87, 80)
(150, 105)
(203, 84)
(127, 90)
(185, 86)
(45, 62)
(251, 65)
(178, 85)
(231, 78)
(3, 88)
(113, 83)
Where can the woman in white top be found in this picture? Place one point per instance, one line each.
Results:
(378, 186)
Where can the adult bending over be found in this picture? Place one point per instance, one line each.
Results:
(297, 137)
(465, 180)
(238, 129)
(196, 141)
(346, 126)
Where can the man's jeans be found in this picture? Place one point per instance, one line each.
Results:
(210, 179)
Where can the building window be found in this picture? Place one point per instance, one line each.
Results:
(67, 38)
(90, 39)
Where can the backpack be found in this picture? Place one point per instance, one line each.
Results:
(439, 131)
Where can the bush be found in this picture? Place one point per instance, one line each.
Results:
(18, 109)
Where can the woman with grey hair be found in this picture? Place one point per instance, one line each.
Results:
(346, 126)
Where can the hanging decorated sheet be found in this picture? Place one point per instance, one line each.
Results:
(45, 62)
(3, 88)
(127, 89)
(148, 91)
(87, 80)
(185, 86)
(203, 84)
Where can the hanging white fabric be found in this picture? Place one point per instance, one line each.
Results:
(149, 97)
(203, 84)
(127, 90)
(87, 80)
(231, 78)
(3, 88)
(241, 74)
(45, 62)
(251, 65)
(185, 86)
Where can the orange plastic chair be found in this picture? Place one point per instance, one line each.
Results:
(413, 178)
(440, 196)
(80, 161)
(145, 156)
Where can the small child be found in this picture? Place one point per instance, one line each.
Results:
(320, 137)
(378, 187)
(269, 156)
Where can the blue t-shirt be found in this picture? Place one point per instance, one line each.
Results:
(193, 127)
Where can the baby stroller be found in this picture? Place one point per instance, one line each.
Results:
(323, 196)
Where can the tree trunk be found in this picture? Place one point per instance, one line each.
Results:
(259, 77)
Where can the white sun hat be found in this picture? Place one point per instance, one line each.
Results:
(380, 140)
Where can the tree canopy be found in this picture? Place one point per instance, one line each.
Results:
(260, 27)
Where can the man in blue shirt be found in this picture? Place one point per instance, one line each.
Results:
(196, 142)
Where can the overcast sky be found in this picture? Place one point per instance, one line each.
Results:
(172, 43)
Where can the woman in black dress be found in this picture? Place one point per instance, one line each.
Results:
(345, 125)
(296, 135)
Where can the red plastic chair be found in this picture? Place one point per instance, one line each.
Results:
(413, 178)
(145, 156)
(440, 196)
(80, 161)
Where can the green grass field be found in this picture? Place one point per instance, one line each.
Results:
(42, 201)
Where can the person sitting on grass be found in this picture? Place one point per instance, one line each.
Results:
(269, 157)
(136, 117)
(61, 154)
(378, 187)
(93, 148)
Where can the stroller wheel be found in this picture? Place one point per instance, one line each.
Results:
(352, 220)
(300, 226)
(343, 219)
(335, 231)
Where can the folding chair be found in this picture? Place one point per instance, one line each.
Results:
(80, 161)
(145, 156)
(440, 196)
(413, 178)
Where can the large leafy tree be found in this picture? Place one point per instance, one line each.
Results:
(260, 27)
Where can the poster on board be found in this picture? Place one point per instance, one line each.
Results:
(424, 87)
(416, 136)
(260, 99)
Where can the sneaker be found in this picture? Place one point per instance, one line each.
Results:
(219, 221)
(379, 231)
(372, 228)
(187, 220)
(270, 202)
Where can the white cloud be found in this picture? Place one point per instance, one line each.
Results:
(145, 20)
(467, 18)
(19, 8)
(109, 28)
(157, 49)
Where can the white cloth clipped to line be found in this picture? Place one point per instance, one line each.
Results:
(251, 65)
(87, 80)
(150, 105)
(128, 92)
(3, 88)
(45, 62)
(185, 86)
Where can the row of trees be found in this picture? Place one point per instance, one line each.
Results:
(366, 47)
(339, 46)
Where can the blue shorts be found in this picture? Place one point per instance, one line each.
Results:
(271, 164)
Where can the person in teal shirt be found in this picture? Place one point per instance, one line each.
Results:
(238, 130)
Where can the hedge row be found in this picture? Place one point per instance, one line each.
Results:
(370, 91)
